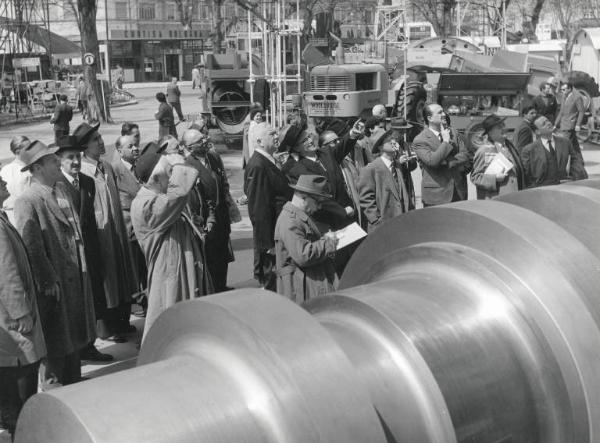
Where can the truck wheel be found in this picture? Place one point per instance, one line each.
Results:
(416, 98)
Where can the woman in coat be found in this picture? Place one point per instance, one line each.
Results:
(22, 344)
(509, 179)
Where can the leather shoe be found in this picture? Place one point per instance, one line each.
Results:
(117, 338)
(93, 354)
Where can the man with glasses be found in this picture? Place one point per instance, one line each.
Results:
(571, 113)
(267, 190)
(305, 267)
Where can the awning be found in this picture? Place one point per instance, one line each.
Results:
(51, 42)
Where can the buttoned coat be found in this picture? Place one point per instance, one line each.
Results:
(83, 203)
(442, 173)
(17, 299)
(380, 198)
(304, 267)
(120, 277)
(570, 162)
(267, 190)
(174, 256)
(63, 114)
(50, 240)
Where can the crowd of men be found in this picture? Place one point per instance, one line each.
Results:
(83, 235)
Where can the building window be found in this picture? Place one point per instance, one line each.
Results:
(147, 11)
(171, 11)
(121, 12)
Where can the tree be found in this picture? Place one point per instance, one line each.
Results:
(439, 13)
(187, 10)
(217, 34)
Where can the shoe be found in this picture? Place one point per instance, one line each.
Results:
(140, 313)
(117, 338)
(93, 354)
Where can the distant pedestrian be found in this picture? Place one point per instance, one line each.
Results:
(83, 94)
(120, 76)
(164, 115)
(63, 114)
(570, 116)
(16, 179)
(196, 78)
(545, 103)
(173, 98)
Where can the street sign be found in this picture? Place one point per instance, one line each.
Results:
(89, 58)
(25, 62)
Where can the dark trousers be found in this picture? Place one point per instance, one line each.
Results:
(264, 269)
(58, 133)
(216, 246)
(66, 370)
(17, 384)
(572, 136)
(177, 107)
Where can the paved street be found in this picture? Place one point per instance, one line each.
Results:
(241, 270)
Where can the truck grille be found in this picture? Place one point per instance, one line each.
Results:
(330, 83)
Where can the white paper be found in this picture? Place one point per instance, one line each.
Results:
(349, 235)
(500, 164)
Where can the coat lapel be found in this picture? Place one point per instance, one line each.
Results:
(51, 203)
(388, 177)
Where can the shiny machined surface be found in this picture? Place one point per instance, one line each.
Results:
(472, 322)
(246, 366)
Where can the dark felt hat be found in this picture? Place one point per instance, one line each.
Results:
(84, 131)
(68, 143)
(379, 143)
(33, 152)
(148, 159)
(400, 123)
(313, 184)
(490, 121)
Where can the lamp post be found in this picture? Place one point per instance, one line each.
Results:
(107, 44)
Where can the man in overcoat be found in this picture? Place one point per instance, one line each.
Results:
(267, 190)
(82, 191)
(443, 173)
(164, 228)
(173, 97)
(53, 241)
(211, 206)
(63, 114)
(571, 113)
(551, 159)
(305, 267)
(120, 278)
(386, 187)
(22, 344)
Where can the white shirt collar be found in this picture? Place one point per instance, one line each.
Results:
(128, 165)
(387, 162)
(545, 143)
(69, 177)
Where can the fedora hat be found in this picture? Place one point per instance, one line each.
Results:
(68, 143)
(84, 131)
(33, 152)
(381, 140)
(149, 157)
(490, 121)
(313, 184)
(400, 123)
(289, 137)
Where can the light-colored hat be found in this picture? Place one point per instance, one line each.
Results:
(313, 184)
(33, 152)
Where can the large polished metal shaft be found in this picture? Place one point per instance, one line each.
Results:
(472, 322)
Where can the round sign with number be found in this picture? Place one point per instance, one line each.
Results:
(89, 58)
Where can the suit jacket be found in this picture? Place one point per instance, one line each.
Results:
(18, 297)
(164, 115)
(523, 135)
(128, 188)
(546, 106)
(571, 112)
(570, 163)
(173, 93)
(63, 114)
(83, 203)
(442, 174)
(267, 190)
(380, 198)
(50, 239)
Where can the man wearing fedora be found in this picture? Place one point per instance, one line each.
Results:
(51, 233)
(82, 191)
(267, 190)
(438, 152)
(386, 186)
(305, 267)
(164, 228)
(63, 114)
(120, 277)
(506, 181)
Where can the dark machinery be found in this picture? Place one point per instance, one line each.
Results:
(477, 321)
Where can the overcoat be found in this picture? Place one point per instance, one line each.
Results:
(305, 268)
(486, 184)
(524, 135)
(174, 256)
(63, 114)
(120, 277)
(267, 190)
(52, 246)
(17, 299)
(570, 162)
(128, 187)
(380, 198)
(83, 203)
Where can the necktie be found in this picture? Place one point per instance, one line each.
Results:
(76, 183)
(440, 137)
(552, 151)
(101, 167)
